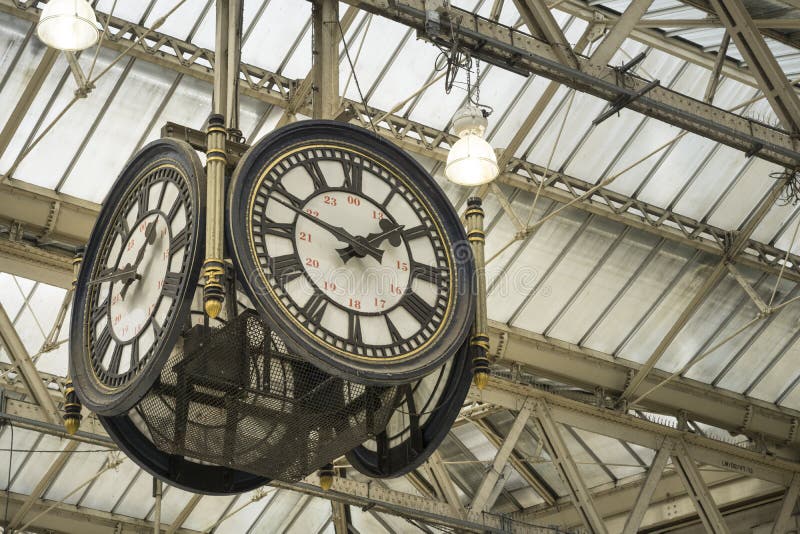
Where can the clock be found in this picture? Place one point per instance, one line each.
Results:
(352, 251)
(137, 277)
(424, 415)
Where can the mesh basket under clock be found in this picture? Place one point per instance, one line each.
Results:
(235, 397)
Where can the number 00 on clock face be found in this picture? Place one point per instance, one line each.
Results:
(352, 252)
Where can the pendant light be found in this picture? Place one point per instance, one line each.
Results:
(471, 161)
(68, 25)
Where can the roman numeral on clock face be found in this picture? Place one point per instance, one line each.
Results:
(417, 307)
(354, 328)
(313, 170)
(142, 200)
(179, 241)
(315, 307)
(285, 268)
(427, 273)
(353, 176)
(278, 229)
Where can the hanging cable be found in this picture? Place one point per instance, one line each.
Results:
(355, 78)
(100, 42)
(358, 54)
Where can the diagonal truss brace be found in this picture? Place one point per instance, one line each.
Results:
(550, 434)
(762, 62)
(698, 491)
(648, 487)
(494, 475)
(787, 507)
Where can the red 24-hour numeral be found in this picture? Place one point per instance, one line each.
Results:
(329, 200)
(329, 286)
(353, 201)
(305, 236)
(312, 262)
(354, 303)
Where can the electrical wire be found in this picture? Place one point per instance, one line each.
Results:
(355, 78)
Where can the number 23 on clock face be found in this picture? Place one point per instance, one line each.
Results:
(350, 247)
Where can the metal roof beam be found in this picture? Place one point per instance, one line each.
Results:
(642, 432)
(698, 491)
(494, 475)
(567, 470)
(541, 23)
(69, 518)
(620, 31)
(46, 215)
(519, 463)
(648, 488)
(511, 49)
(771, 79)
(788, 504)
(19, 355)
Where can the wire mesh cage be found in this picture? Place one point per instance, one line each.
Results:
(235, 397)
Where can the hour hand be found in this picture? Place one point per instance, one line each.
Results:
(359, 244)
(389, 230)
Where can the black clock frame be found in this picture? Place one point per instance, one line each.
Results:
(377, 371)
(177, 470)
(400, 459)
(114, 401)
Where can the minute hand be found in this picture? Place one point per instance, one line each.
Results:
(361, 247)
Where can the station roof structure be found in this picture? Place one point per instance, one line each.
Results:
(642, 270)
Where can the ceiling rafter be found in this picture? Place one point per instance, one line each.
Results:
(275, 89)
(750, 43)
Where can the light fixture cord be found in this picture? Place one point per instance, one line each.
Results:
(355, 78)
(100, 42)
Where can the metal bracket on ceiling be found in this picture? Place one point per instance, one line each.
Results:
(84, 85)
(624, 100)
(15, 231)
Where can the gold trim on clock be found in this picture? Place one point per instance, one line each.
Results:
(388, 167)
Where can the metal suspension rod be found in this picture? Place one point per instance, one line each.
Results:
(480, 331)
(216, 161)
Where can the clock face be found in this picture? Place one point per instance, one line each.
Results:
(134, 289)
(352, 252)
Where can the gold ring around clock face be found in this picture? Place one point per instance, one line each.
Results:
(354, 253)
(136, 277)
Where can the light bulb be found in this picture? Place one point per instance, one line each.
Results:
(471, 160)
(68, 25)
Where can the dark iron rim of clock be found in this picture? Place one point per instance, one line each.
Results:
(394, 461)
(97, 396)
(177, 470)
(377, 371)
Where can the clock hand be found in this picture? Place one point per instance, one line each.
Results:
(361, 247)
(390, 232)
(128, 273)
(149, 239)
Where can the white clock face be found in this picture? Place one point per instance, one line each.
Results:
(350, 253)
(136, 277)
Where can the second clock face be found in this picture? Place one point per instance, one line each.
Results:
(352, 252)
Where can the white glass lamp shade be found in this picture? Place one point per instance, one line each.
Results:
(471, 161)
(68, 25)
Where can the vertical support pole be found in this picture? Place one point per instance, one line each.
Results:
(216, 161)
(325, 53)
(72, 404)
(480, 336)
(157, 493)
(234, 61)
